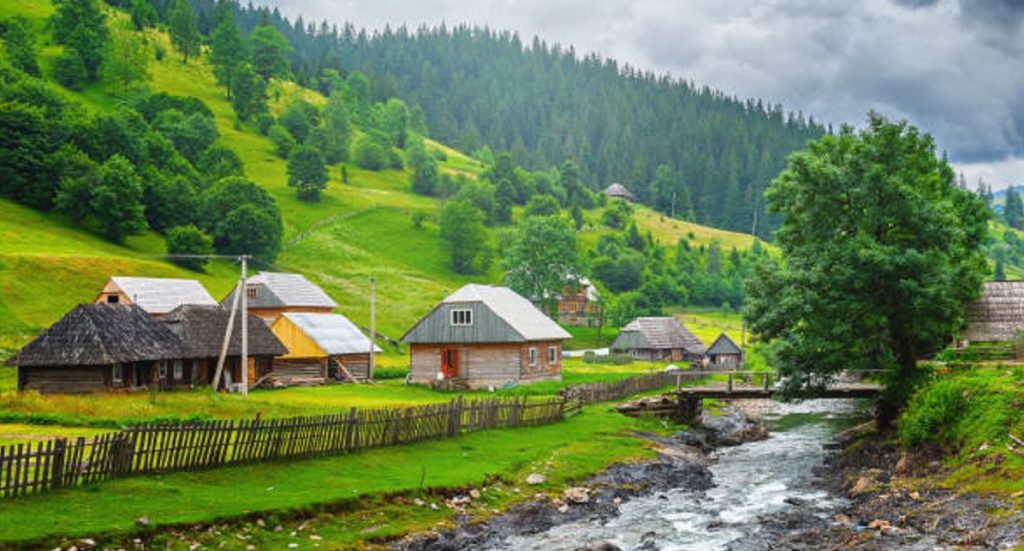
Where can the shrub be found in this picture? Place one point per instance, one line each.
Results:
(69, 70)
(283, 140)
(930, 411)
(189, 240)
(382, 373)
(369, 154)
(263, 123)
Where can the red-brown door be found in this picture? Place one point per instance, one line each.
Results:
(450, 363)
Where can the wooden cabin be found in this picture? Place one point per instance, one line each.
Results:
(579, 305)
(99, 347)
(724, 353)
(156, 295)
(482, 336)
(998, 315)
(659, 339)
(201, 330)
(271, 294)
(619, 191)
(321, 347)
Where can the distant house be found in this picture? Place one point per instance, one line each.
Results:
(620, 191)
(99, 347)
(271, 294)
(579, 305)
(659, 339)
(484, 336)
(201, 330)
(724, 352)
(320, 346)
(155, 295)
(998, 314)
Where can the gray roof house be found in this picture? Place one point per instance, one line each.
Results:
(659, 339)
(484, 336)
(155, 295)
(271, 294)
(998, 314)
(620, 191)
(724, 351)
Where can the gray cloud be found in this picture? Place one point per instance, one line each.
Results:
(955, 68)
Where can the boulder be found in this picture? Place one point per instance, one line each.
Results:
(577, 494)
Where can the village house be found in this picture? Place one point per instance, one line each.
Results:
(482, 336)
(619, 191)
(271, 294)
(201, 330)
(99, 347)
(998, 315)
(321, 347)
(659, 339)
(724, 353)
(579, 305)
(155, 295)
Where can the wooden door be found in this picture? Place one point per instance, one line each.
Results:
(450, 363)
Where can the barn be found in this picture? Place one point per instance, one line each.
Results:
(99, 347)
(482, 336)
(320, 347)
(998, 315)
(156, 295)
(270, 294)
(724, 352)
(659, 339)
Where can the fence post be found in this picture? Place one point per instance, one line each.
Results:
(728, 383)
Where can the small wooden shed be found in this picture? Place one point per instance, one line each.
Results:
(724, 353)
(321, 346)
(271, 294)
(481, 336)
(156, 295)
(99, 347)
(659, 339)
(998, 315)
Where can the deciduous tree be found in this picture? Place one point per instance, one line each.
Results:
(184, 29)
(307, 173)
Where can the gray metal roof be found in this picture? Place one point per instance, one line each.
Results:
(158, 295)
(499, 315)
(724, 345)
(657, 333)
(333, 333)
(280, 290)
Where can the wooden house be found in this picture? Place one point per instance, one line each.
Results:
(155, 295)
(998, 315)
(619, 191)
(724, 353)
(659, 339)
(320, 347)
(271, 294)
(483, 336)
(201, 330)
(579, 305)
(99, 347)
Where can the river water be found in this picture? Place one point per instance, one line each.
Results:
(751, 480)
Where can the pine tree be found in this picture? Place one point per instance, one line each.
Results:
(81, 25)
(1013, 212)
(184, 29)
(228, 52)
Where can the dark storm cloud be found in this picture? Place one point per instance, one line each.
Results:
(952, 67)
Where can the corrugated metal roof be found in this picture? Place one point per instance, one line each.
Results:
(333, 333)
(161, 295)
(998, 314)
(657, 333)
(510, 306)
(279, 290)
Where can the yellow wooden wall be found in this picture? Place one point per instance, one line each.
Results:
(298, 344)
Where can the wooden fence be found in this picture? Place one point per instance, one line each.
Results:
(161, 448)
(588, 393)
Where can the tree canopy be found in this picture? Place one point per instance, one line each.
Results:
(541, 257)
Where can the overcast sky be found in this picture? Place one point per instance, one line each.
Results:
(955, 68)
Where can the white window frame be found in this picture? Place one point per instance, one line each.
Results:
(532, 354)
(178, 370)
(552, 355)
(461, 317)
(117, 373)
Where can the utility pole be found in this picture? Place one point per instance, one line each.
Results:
(244, 319)
(373, 324)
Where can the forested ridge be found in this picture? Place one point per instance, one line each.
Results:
(546, 104)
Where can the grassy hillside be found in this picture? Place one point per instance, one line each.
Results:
(359, 230)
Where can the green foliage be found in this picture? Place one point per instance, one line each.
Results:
(299, 117)
(930, 412)
(242, 218)
(462, 227)
(425, 179)
(20, 44)
(541, 256)
(81, 25)
(189, 240)
(877, 278)
(1000, 271)
(307, 173)
(1013, 211)
(478, 192)
(143, 14)
(116, 201)
(228, 51)
(396, 122)
(357, 95)
(334, 143)
(69, 70)
(270, 50)
(542, 205)
(184, 30)
(169, 201)
(248, 94)
(284, 143)
(617, 214)
(127, 61)
(219, 162)
(24, 145)
(191, 134)
(370, 153)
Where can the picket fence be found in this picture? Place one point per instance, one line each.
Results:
(163, 448)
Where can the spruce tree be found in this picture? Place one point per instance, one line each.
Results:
(184, 29)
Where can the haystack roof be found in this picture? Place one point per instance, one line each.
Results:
(201, 330)
(724, 345)
(282, 290)
(101, 334)
(661, 333)
(619, 190)
(333, 333)
(159, 295)
(998, 315)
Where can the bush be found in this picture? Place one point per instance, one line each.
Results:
(283, 140)
(369, 154)
(930, 411)
(69, 70)
(189, 240)
(263, 123)
(383, 373)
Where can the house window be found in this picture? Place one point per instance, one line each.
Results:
(179, 372)
(533, 357)
(462, 317)
(252, 292)
(552, 355)
(118, 373)
(113, 299)
(162, 368)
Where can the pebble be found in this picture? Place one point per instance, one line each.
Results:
(474, 493)
(142, 521)
(535, 479)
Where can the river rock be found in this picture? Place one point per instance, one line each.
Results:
(577, 494)
(879, 524)
(535, 479)
(605, 546)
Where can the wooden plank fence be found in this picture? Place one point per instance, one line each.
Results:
(588, 393)
(162, 448)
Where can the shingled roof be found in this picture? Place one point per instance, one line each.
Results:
(998, 315)
(724, 345)
(281, 290)
(101, 334)
(159, 295)
(657, 334)
(201, 329)
(621, 191)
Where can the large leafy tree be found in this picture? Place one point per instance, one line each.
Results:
(462, 227)
(127, 61)
(541, 257)
(307, 173)
(81, 25)
(116, 201)
(880, 252)
(228, 51)
(269, 52)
